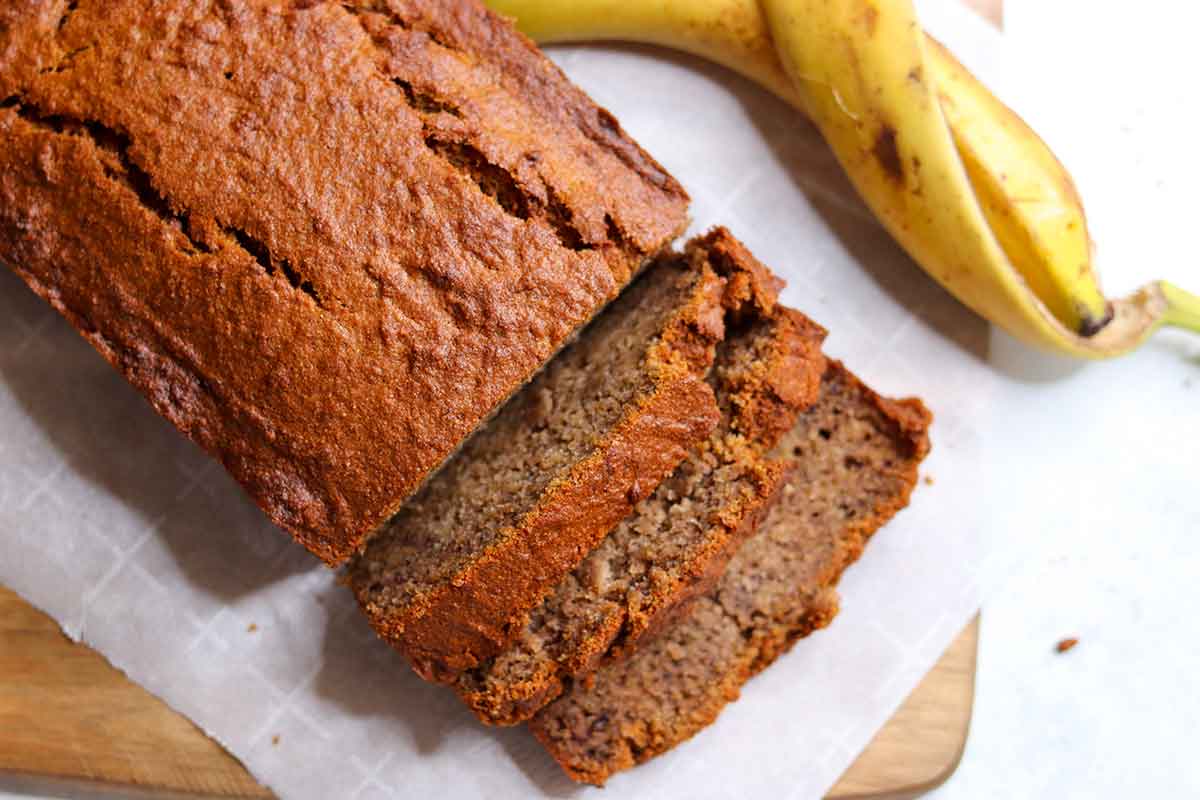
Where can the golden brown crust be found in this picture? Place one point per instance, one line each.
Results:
(753, 287)
(324, 239)
(789, 378)
(606, 707)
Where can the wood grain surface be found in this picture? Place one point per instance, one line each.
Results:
(72, 725)
(921, 745)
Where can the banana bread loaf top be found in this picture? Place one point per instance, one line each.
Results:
(325, 239)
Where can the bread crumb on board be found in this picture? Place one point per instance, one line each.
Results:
(251, 628)
(275, 740)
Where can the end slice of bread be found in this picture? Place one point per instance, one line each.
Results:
(854, 458)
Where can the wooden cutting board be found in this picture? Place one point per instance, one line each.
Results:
(72, 725)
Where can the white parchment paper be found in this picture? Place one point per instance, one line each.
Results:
(143, 548)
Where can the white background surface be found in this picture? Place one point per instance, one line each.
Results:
(1119, 556)
(1094, 480)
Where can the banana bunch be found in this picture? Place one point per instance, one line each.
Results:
(957, 178)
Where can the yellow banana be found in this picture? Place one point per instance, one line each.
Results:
(1026, 194)
(965, 186)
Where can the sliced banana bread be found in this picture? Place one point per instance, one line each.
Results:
(676, 543)
(855, 458)
(452, 579)
(325, 239)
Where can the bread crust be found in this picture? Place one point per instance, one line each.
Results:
(325, 240)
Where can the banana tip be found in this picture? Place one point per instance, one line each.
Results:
(1089, 325)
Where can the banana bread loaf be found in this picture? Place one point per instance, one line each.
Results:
(676, 543)
(855, 458)
(325, 239)
(449, 580)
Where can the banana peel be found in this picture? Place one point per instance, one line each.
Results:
(957, 178)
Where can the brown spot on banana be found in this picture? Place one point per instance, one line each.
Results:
(1088, 325)
(888, 154)
(870, 18)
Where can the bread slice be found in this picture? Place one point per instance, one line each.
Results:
(855, 458)
(452, 579)
(325, 239)
(676, 543)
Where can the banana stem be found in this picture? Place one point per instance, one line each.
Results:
(1183, 308)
